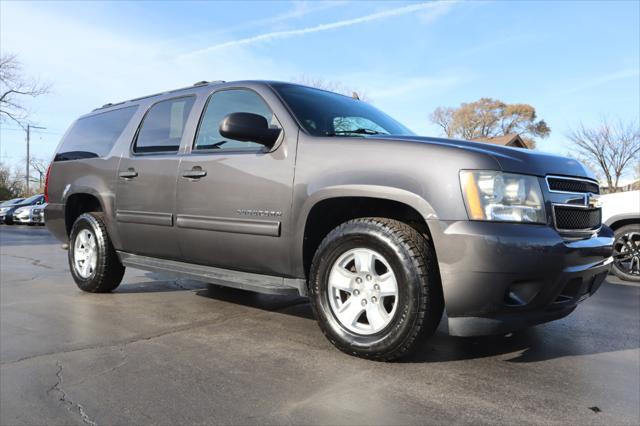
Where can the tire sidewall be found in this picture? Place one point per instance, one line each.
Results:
(87, 221)
(409, 288)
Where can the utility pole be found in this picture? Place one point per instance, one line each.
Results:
(29, 127)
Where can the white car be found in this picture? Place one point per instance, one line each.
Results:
(30, 215)
(621, 211)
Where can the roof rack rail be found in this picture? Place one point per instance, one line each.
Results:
(108, 105)
(204, 82)
(198, 84)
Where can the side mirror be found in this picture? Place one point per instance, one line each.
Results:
(248, 127)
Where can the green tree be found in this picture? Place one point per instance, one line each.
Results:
(489, 118)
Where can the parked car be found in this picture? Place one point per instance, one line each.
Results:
(29, 215)
(6, 213)
(7, 205)
(13, 200)
(621, 211)
(286, 189)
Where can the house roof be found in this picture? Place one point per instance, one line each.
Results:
(507, 140)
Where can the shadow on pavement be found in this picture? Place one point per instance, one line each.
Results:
(566, 337)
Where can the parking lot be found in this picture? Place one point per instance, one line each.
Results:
(166, 351)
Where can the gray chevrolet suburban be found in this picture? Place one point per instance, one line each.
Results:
(286, 189)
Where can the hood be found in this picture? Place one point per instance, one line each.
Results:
(515, 160)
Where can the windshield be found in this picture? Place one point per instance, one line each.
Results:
(323, 113)
(31, 199)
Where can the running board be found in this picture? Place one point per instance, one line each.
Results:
(243, 280)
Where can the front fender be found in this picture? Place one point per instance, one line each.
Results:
(398, 195)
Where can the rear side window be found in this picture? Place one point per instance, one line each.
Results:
(94, 136)
(163, 126)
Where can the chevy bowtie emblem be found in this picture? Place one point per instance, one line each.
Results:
(593, 200)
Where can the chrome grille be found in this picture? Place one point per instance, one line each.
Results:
(572, 185)
(575, 205)
(569, 218)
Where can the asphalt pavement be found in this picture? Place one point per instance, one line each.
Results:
(165, 351)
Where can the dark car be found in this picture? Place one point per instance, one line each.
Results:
(11, 201)
(286, 189)
(6, 212)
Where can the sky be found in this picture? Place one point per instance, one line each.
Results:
(574, 61)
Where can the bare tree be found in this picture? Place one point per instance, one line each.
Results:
(40, 166)
(331, 86)
(488, 118)
(14, 87)
(611, 147)
(11, 183)
(443, 117)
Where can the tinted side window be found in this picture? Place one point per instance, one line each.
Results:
(220, 105)
(94, 136)
(163, 125)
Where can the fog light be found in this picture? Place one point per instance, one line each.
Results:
(522, 293)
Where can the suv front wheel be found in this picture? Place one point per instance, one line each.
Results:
(375, 288)
(93, 262)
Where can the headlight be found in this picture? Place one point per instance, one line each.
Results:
(3, 210)
(18, 211)
(503, 197)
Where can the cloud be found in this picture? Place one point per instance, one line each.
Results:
(417, 85)
(436, 8)
(607, 78)
(299, 10)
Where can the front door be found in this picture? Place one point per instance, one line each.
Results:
(233, 197)
(147, 181)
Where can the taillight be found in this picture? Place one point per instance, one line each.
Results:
(46, 184)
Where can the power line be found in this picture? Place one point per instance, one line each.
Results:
(35, 131)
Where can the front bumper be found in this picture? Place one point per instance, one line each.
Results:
(37, 216)
(22, 218)
(502, 277)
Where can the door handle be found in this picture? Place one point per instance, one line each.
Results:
(129, 174)
(195, 173)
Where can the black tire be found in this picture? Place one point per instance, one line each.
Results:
(419, 302)
(629, 234)
(108, 271)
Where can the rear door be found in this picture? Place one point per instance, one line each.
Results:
(146, 187)
(233, 197)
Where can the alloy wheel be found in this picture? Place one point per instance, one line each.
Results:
(85, 253)
(363, 291)
(626, 253)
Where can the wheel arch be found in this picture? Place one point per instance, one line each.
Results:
(331, 206)
(618, 221)
(81, 201)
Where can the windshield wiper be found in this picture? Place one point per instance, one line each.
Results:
(359, 131)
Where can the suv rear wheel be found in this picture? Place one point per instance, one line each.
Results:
(375, 288)
(93, 262)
